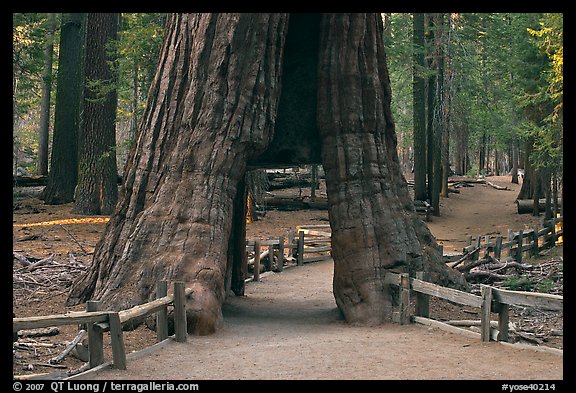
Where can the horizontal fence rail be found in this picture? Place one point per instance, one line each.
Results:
(97, 322)
(518, 243)
(491, 300)
(310, 243)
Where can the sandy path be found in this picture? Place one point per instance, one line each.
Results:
(287, 327)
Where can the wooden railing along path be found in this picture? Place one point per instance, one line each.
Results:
(97, 322)
(491, 300)
(529, 241)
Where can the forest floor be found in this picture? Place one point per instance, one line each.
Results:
(287, 325)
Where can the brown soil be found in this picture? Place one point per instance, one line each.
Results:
(287, 326)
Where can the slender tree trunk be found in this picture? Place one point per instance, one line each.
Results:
(482, 154)
(438, 114)
(514, 154)
(42, 164)
(419, 109)
(374, 226)
(64, 160)
(446, 45)
(431, 90)
(97, 190)
(211, 109)
(527, 189)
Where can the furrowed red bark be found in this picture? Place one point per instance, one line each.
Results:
(211, 108)
(374, 227)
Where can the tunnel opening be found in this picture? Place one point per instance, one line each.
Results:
(296, 139)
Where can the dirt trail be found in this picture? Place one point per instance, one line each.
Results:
(288, 327)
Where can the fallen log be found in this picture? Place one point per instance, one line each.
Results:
(262, 256)
(29, 181)
(57, 359)
(466, 256)
(487, 259)
(295, 203)
(22, 259)
(466, 180)
(283, 183)
(41, 332)
(497, 187)
(485, 275)
(526, 206)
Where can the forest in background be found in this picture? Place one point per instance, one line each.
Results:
(472, 93)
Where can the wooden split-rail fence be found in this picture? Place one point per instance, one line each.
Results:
(491, 300)
(308, 243)
(96, 322)
(516, 244)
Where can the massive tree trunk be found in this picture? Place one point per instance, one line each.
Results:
(212, 109)
(64, 161)
(97, 189)
(374, 227)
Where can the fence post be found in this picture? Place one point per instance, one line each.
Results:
(503, 320)
(270, 256)
(552, 233)
(300, 259)
(498, 247)
(487, 249)
(535, 240)
(280, 264)
(478, 242)
(117, 341)
(510, 238)
(404, 298)
(95, 338)
(291, 235)
(162, 315)
(422, 300)
(520, 246)
(486, 293)
(180, 312)
(256, 273)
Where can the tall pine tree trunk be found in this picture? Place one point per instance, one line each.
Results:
(419, 114)
(64, 160)
(42, 164)
(97, 190)
(437, 113)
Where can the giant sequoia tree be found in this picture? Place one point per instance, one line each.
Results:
(217, 103)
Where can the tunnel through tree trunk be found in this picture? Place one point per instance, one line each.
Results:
(214, 106)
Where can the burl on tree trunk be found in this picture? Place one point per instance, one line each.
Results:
(213, 108)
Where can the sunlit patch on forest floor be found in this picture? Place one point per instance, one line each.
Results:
(87, 220)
